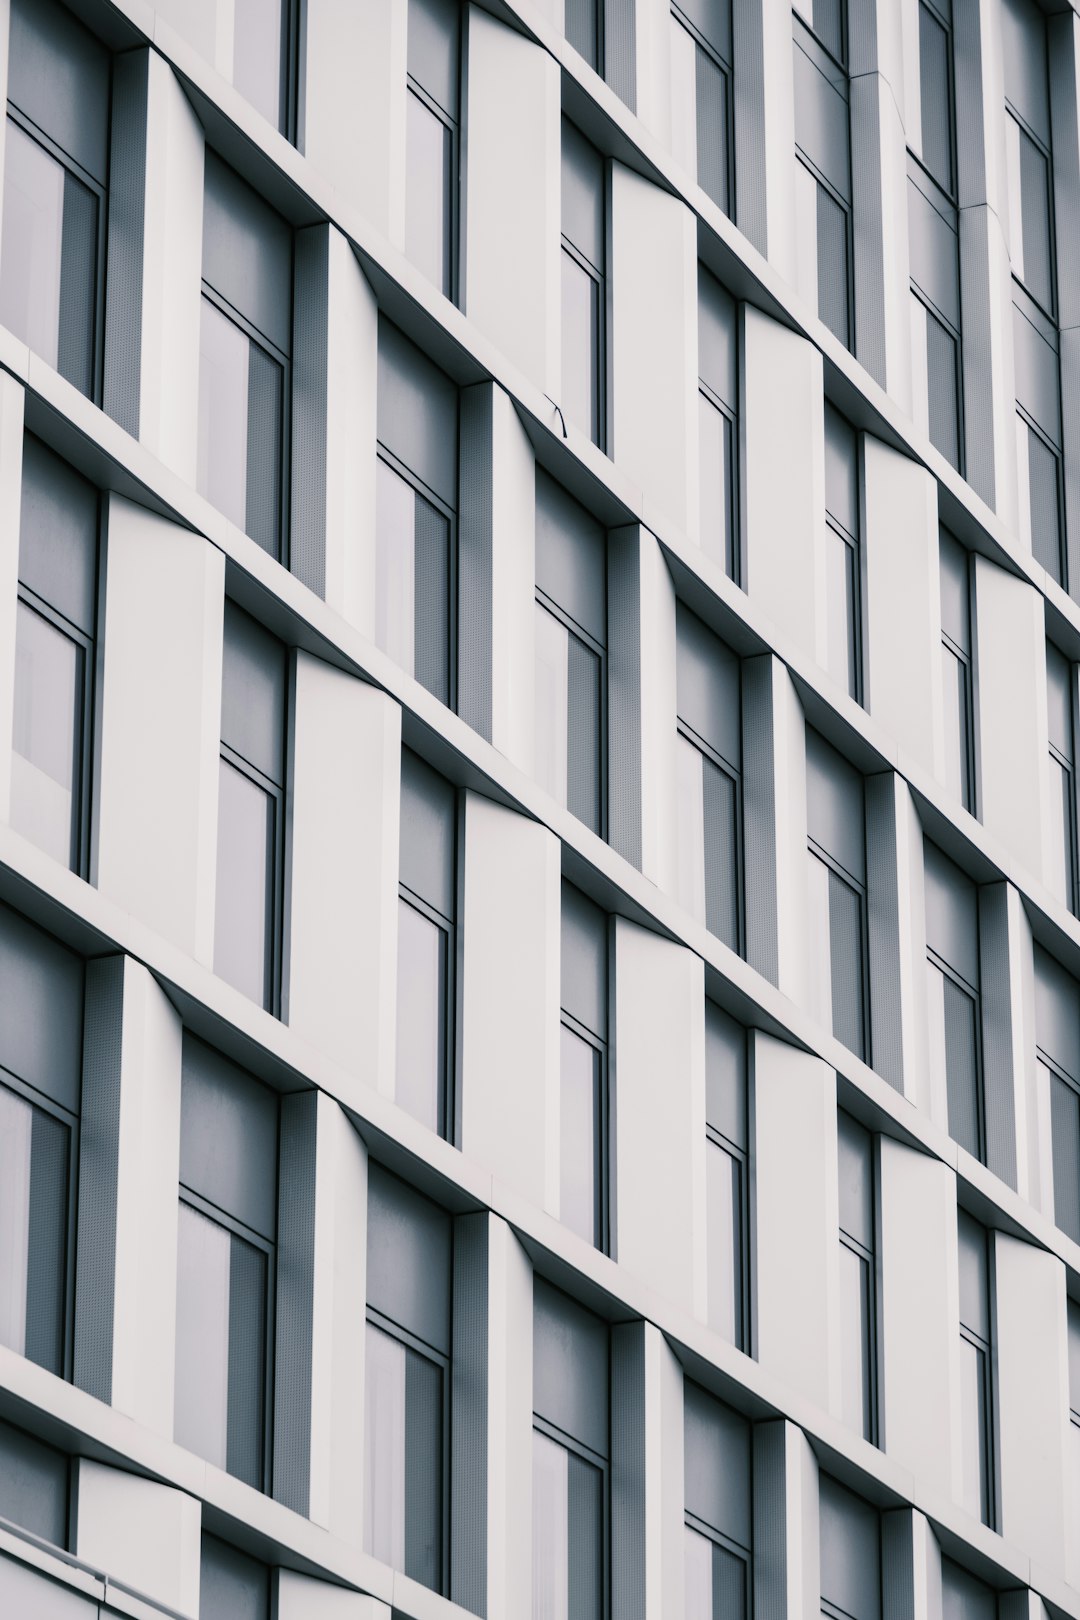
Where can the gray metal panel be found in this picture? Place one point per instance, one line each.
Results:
(582, 195)
(570, 1366)
(835, 814)
(1023, 53)
(725, 1076)
(974, 1279)
(718, 343)
(1074, 1353)
(58, 534)
(253, 683)
(707, 686)
(1060, 679)
(620, 50)
(229, 1138)
(232, 1585)
(294, 1302)
(855, 1175)
(952, 914)
(571, 566)
(716, 1464)
(850, 1551)
(628, 1475)
(307, 489)
(955, 595)
(247, 252)
(759, 819)
(584, 961)
(821, 122)
(841, 471)
(867, 231)
(996, 966)
(934, 252)
(33, 1485)
(712, 19)
(409, 1251)
(624, 697)
(58, 75)
(883, 929)
(771, 1523)
(434, 50)
(126, 227)
(41, 1010)
(748, 88)
(980, 467)
(475, 559)
(418, 413)
(99, 1151)
(1036, 364)
(964, 1596)
(469, 1415)
(1057, 1013)
(428, 814)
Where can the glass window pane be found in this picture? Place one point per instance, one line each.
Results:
(962, 1067)
(395, 565)
(1044, 505)
(223, 414)
(579, 1141)
(201, 1419)
(384, 1448)
(1061, 876)
(1065, 1140)
(258, 56)
(551, 1530)
(855, 1299)
(934, 83)
(580, 348)
(33, 223)
(583, 29)
(716, 471)
(428, 193)
(423, 1470)
(942, 392)
(690, 764)
(431, 612)
(955, 676)
(723, 1185)
(1035, 217)
(829, 26)
(832, 265)
(585, 699)
(728, 1585)
(585, 1512)
(421, 1016)
(262, 501)
(16, 1120)
(245, 878)
(712, 126)
(46, 764)
(840, 611)
(721, 854)
(699, 1581)
(820, 959)
(846, 955)
(34, 1149)
(974, 1428)
(247, 1361)
(552, 706)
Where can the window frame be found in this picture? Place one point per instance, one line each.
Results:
(854, 546)
(273, 969)
(964, 660)
(874, 1345)
(717, 1538)
(945, 24)
(419, 487)
(933, 313)
(448, 929)
(986, 1381)
(733, 559)
(1025, 416)
(726, 71)
(1072, 833)
(740, 1157)
(974, 995)
(849, 244)
(1056, 1072)
(860, 890)
(578, 1448)
(1046, 152)
(589, 641)
(686, 731)
(598, 274)
(602, 1199)
(451, 268)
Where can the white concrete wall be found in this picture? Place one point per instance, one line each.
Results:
(11, 444)
(513, 583)
(160, 705)
(509, 1096)
(652, 49)
(654, 411)
(303, 1597)
(1010, 678)
(797, 1211)
(787, 1532)
(144, 1534)
(658, 1110)
(342, 964)
(663, 1531)
(919, 1306)
(512, 197)
(779, 123)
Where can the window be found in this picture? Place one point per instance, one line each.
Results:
(709, 779)
(34, 1483)
(433, 114)
(1061, 717)
(836, 843)
(719, 1544)
(718, 425)
(232, 1584)
(956, 670)
(571, 1458)
(427, 908)
(416, 514)
(225, 1264)
(976, 1351)
(407, 1380)
(583, 1099)
(41, 1011)
(1057, 1051)
(953, 997)
(843, 569)
(858, 1292)
(1074, 1396)
(244, 366)
(251, 810)
(823, 170)
(584, 296)
(850, 1554)
(727, 1177)
(54, 658)
(264, 59)
(52, 274)
(571, 654)
(937, 115)
(964, 1596)
(701, 99)
(1032, 251)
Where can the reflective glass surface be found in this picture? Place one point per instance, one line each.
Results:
(258, 50)
(842, 606)
(551, 704)
(428, 192)
(856, 1386)
(974, 1421)
(579, 1112)
(242, 945)
(34, 1149)
(1061, 875)
(716, 452)
(723, 1187)
(223, 414)
(567, 1542)
(955, 680)
(421, 1016)
(46, 763)
(580, 348)
(33, 225)
(403, 1458)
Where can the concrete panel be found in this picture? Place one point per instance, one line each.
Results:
(356, 67)
(654, 344)
(796, 1208)
(512, 197)
(989, 376)
(652, 40)
(903, 632)
(172, 207)
(1010, 708)
(341, 977)
(659, 1204)
(792, 899)
(665, 1484)
(879, 197)
(160, 706)
(910, 1567)
(11, 442)
(782, 416)
(779, 138)
(513, 583)
(140, 1533)
(787, 1538)
(510, 999)
(303, 1597)
(774, 824)
(919, 1307)
(1032, 1398)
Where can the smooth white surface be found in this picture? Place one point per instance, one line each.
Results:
(141, 1533)
(302, 1597)
(509, 1424)
(11, 442)
(1010, 679)
(656, 642)
(513, 583)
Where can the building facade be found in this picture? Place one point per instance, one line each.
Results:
(539, 940)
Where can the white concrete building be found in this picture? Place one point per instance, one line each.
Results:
(539, 890)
